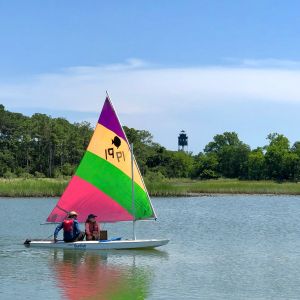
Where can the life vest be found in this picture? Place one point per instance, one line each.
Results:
(92, 228)
(68, 225)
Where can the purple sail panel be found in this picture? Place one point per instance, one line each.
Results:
(109, 119)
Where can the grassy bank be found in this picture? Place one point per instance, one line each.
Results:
(37, 187)
(179, 187)
(46, 187)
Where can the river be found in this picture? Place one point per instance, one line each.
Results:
(221, 247)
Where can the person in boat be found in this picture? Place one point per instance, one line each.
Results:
(92, 229)
(71, 229)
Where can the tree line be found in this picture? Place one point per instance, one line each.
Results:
(41, 146)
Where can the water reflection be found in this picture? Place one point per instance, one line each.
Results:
(111, 275)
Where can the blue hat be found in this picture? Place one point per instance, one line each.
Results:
(91, 216)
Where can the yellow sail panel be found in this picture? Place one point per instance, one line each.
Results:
(114, 149)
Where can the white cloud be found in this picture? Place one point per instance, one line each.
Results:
(156, 94)
(138, 87)
(271, 63)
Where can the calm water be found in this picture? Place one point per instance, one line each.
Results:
(222, 247)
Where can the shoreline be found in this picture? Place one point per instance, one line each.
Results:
(192, 195)
(181, 187)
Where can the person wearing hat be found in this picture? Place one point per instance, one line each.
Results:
(71, 229)
(92, 229)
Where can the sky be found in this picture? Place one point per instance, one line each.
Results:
(202, 66)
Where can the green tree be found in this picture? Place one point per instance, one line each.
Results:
(143, 146)
(291, 163)
(205, 166)
(180, 164)
(232, 154)
(256, 164)
(40, 144)
(277, 156)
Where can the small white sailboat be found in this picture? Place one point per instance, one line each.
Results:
(107, 183)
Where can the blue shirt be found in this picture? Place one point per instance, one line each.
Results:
(68, 236)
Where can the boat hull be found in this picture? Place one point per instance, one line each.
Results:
(100, 245)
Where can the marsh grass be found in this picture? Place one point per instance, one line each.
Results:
(187, 187)
(37, 187)
(48, 187)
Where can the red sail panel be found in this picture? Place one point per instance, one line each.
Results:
(89, 200)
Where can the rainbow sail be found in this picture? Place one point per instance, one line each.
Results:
(102, 184)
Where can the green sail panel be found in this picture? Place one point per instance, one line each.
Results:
(114, 183)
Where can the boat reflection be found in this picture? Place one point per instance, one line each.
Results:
(93, 275)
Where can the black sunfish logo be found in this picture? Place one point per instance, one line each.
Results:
(116, 141)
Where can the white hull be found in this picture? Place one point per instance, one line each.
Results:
(98, 245)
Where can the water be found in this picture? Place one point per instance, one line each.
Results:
(222, 247)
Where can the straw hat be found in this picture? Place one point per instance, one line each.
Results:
(73, 213)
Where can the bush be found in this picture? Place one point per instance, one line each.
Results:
(68, 169)
(209, 174)
(57, 173)
(39, 174)
(26, 175)
(19, 171)
(9, 175)
(154, 177)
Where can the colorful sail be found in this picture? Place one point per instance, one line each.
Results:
(102, 184)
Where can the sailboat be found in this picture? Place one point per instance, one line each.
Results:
(107, 183)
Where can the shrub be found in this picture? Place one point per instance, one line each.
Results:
(26, 175)
(9, 175)
(39, 174)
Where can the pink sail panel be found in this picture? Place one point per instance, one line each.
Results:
(85, 199)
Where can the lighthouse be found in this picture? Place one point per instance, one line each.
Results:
(182, 141)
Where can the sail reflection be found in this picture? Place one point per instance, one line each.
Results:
(90, 275)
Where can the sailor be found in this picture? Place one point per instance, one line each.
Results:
(92, 229)
(71, 229)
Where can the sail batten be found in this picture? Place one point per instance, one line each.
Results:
(102, 183)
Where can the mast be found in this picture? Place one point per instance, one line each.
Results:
(132, 192)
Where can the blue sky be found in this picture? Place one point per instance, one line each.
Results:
(203, 66)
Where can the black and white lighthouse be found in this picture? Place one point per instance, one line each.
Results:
(182, 141)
